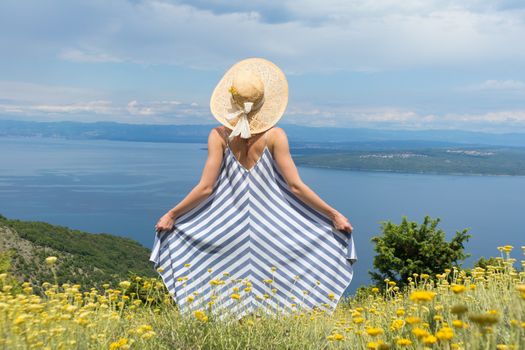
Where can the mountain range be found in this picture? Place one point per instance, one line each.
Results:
(303, 136)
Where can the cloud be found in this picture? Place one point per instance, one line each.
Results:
(152, 108)
(46, 93)
(76, 55)
(177, 112)
(424, 39)
(406, 119)
(52, 102)
(301, 36)
(97, 107)
(498, 85)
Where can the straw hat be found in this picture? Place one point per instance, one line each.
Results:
(251, 97)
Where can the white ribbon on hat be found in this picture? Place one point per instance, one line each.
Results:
(243, 126)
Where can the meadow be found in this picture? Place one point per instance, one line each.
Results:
(479, 308)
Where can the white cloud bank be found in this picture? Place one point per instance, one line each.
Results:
(176, 112)
(406, 119)
(302, 36)
(22, 100)
(491, 85)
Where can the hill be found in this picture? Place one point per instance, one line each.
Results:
(453, 160)
(297, 134)
(84, 258)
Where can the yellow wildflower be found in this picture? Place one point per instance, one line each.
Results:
(374, 331)
(335, 336)
(50, 260)
(122, 343)
(372, 345)
(404, 342)
(458, 288)
(358, 320)
(200, 315)
(413, 320)
(445, 333)
(125, 284)
(429, 339)
(420, 332)
(216, 282)
(422, 296)
(21, 319)
(457, 323)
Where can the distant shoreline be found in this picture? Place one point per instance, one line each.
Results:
(427, 159)
(451, 160)
(380, 171)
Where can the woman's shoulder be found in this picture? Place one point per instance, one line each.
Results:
(222, 130)
(276, 132)
(276, 135)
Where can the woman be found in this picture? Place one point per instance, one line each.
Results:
(251, 219)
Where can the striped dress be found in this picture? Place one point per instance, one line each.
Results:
(253, 246)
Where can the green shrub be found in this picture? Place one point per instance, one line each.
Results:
(410, 248)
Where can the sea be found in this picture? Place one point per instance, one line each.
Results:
(123, 188)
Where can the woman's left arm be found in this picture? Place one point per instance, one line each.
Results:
(205, 186)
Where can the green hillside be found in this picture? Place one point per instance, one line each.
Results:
(465, 160)
(84, 258)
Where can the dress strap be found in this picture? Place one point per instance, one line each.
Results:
(225, 136)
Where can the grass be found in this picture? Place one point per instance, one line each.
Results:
(456, 309)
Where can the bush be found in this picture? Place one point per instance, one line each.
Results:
(410, 248)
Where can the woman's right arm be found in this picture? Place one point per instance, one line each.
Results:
(283, 158)
(205, 186)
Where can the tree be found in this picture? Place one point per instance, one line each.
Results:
(410, 248)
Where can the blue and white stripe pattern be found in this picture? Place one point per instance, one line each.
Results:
(256, 240)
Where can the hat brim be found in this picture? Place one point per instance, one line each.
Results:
(275, 95)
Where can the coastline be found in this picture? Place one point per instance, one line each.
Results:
(406, 172)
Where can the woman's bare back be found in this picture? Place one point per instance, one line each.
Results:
(246, 151)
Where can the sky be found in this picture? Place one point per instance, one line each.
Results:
(383, 64)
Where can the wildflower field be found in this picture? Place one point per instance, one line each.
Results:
(456, 309)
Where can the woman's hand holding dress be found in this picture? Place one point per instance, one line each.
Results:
(341, 223)
(165, 223)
